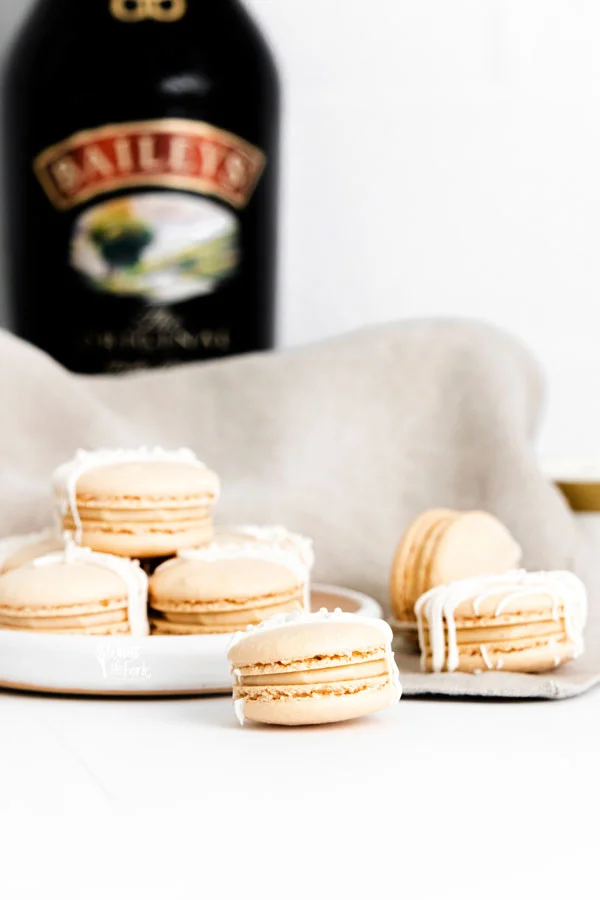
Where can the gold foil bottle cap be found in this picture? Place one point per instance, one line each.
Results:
(579, 481)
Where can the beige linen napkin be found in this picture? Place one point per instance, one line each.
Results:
(346, 441)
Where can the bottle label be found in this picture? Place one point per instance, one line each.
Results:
(138, 10)
(175, 153)
(164, 246)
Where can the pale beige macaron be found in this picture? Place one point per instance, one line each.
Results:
(516, 622)
(141, 503)
(23, 548)
(75, 591)
(444, 545)
(221, 589)
(310, 669)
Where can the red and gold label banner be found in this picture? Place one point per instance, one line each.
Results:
(175, 153)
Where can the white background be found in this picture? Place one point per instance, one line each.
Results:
(172, 800)
(443, 158)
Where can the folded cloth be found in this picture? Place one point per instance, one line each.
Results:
(346, 441)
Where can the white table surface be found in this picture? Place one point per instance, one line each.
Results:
(432, 798)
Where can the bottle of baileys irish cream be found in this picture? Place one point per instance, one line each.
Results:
(141, 167)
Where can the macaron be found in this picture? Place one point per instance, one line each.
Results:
(75, 591)
(222, 589)
(444, 545)
(515, 622)
(23, 548)
(142, 503)
(270, 535)
(310, 669)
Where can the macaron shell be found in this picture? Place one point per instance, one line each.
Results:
(68, 620)
(430, 547)
(401, 564)
(84, 586)
(121, 628)
(146, 482)
(476, 543)
(536, 604)
(413, 558)
(229, 620)
(199, 607)
(320, 708)
(137, 542)
(310, 639)
(193, 581)
(159, 626)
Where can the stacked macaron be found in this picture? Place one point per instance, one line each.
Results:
(75, 591)
(516, 622)
(227, 586)
(305, 669)
(151, 507)
(137, 503)
(441, 546)
(456, 593)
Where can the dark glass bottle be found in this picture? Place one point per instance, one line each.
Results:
(141, 167)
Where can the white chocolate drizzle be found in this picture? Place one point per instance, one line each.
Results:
(278, 536)
(134, 578)
(65, 477)
(438, 606)
(485, 655)
(238, 708)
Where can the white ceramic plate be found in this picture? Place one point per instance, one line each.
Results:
(86, 664)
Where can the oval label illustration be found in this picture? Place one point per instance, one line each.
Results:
(164, 246)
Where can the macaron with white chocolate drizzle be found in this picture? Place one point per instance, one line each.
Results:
(76, 591)
(516, 622)
(142, 503)
(222, 588)
(310, 669)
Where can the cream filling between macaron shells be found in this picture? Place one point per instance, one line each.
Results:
(293, 679)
